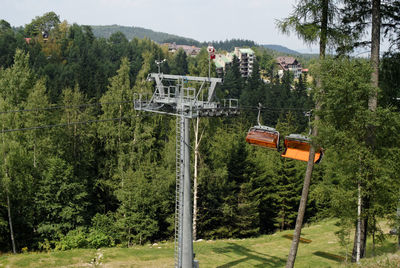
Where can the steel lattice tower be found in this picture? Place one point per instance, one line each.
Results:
(185, 97)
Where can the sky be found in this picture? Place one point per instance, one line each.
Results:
(201, 20)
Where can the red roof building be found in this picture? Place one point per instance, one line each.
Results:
(289, 64)
(189, 50)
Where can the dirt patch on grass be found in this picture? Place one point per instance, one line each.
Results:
(302, 240)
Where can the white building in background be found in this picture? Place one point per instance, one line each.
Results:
(221, 62)
(246, 58)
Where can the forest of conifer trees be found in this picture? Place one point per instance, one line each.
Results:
(80, 167)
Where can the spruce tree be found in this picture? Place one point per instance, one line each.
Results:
(61, 200)
(16, 83)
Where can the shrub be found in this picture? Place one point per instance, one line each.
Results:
(73, 239)
(97, 239)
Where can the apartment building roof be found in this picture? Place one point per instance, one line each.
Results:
(190, 50)
(225, 59)
(246, 51)
(286, 60)
(218, 64)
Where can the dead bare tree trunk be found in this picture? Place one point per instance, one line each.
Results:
(120, 125)
(195, 175)
(372, 106)
(302, 208)
(310, 164)
(10, 223)
(8, 201)
(361, 241)
(375, 48)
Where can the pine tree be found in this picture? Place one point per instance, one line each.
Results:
(38, 140)
(378, 15)
(233, 81)
(8, 43)
(115, 134)
(247, 220)
(15, 84)
(288, 191)
(313, 21)
(76, 136)
(179, 64)
(349, 156)
(61, 200)
(17, 81)
(136, 215)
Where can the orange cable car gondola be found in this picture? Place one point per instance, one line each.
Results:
(263, 136)
(298, 147)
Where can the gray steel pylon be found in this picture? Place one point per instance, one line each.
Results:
(180, 154)
(178, 95)
(187, 230)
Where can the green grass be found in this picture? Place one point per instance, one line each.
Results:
(53, 259)
(320, 248)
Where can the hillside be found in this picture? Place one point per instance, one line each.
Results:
(320, 248)
(138, 32)
(160, 37)
(281, 49)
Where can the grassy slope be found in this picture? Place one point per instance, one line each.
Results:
(265, 251)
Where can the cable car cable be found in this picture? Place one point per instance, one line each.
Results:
(73, 123)
(63, 125)
(64, 106)
(125, 102)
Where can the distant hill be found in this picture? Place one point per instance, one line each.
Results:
(106, 31)
(281, 49)
(160, 37)
(132, 32)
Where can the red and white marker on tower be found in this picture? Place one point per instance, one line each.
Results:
(211, 52)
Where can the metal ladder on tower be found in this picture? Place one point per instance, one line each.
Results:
(179, 190)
